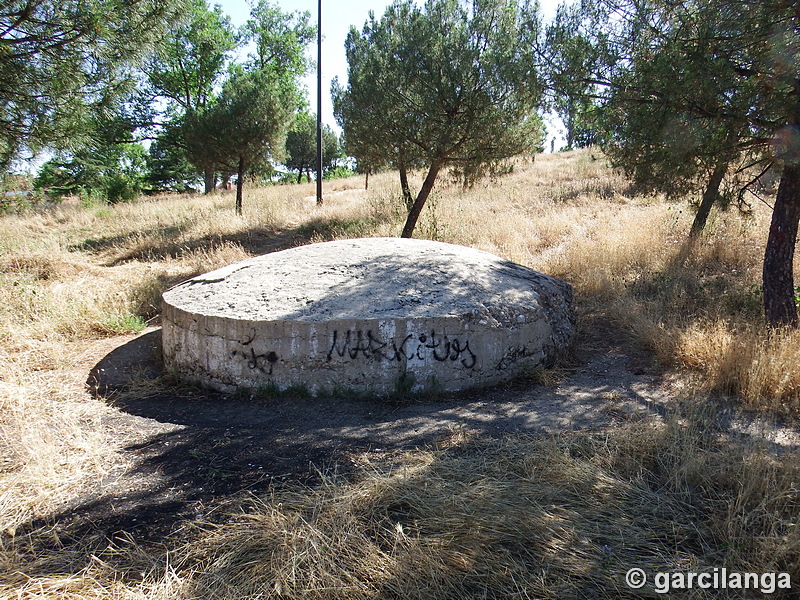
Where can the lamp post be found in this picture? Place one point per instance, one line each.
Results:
(319, 103)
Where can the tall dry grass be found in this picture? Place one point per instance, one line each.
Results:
(569, 215)
(547, 517)
(557, 517)
(72, 276)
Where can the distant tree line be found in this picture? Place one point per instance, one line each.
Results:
(90, 81)
(696, 99)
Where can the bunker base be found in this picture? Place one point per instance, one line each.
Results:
(376, 316)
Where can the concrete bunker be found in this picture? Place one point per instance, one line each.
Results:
(370, 315)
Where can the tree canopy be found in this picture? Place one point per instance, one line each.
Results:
(184, 73)
(64, 62)
(193, 66)
(111, 173)
(280, 39)
(686, 88)
(449, 85)
(301, 146)
(570, 59)
(168, 164)
(191, 59)
(245, 126)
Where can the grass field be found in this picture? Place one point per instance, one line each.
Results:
(553, 516)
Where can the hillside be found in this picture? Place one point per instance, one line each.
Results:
(666, 441)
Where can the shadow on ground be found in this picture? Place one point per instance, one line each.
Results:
(193, 446)
(188, 451)
(158, 244)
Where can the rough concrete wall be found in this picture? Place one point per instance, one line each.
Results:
(485, 343)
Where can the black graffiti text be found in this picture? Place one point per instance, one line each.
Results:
(513, 355)
(258, 362)
(364, 344)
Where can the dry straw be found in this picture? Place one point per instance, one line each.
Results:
(552, 517)
(556, 517)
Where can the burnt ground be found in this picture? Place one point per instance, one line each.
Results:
(186, 451)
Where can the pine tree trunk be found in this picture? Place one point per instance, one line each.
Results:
(409, 200)
(209, 181)
(779, 293)
(300, 177)
(419, 203)
(239, 185)
(570, 126)
(366, 180)
(710, 196)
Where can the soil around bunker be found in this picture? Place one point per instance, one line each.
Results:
(186, 451)
(193, 446)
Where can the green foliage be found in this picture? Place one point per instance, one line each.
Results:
(248, 120)
(280, 40)
(451, 85)
(338, 172)
(113, 173)
(62, 62)
(571, 59)
(245, 126)
(683, 89)
(16, 195)
(191, 59)
(404, 385)
(271, 391)
(119, 324)
(168, 165)
(232, 125)
(19, 201)
(189, 65)
(301, 146)
(689, 88)
(357, 138)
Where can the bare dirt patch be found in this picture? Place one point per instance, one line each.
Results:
(192, 448)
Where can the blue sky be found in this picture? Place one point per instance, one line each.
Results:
(337, 17)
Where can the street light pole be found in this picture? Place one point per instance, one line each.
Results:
(319, 104)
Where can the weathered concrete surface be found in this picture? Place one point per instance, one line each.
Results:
(375, 315)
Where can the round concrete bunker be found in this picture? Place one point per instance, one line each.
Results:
(373, 315)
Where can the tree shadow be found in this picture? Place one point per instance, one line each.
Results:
(536, 517)
(533, 516)
(201, 445)
(160, 243)
(196, 451)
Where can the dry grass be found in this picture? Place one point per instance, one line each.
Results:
(525, 517)
(555, 517)
(570, 216)
(759, 367)
(552, 517)
(516, 518)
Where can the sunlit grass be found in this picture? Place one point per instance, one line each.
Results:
(73, 276)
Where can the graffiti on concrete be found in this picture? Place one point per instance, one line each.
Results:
(256, 362)
(357, 344)
(515, 354)
(262, 362)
